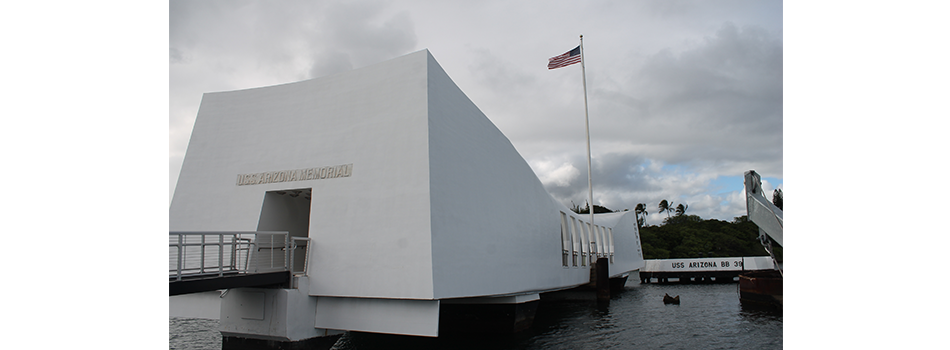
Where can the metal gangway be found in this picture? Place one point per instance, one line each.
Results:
(206, 261)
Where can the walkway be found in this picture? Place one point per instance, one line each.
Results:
(206, 261)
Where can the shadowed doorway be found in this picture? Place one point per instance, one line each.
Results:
(288, 210)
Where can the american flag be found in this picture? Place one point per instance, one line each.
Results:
(565, 59)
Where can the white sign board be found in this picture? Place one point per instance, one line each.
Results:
(709, 264)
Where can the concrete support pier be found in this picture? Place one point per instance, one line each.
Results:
(502, 315)
(240, 343)
(601, 279)
(272, 318)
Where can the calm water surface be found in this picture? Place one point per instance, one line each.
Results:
(709, 317)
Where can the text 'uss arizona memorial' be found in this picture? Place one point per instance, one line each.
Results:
(327, 172)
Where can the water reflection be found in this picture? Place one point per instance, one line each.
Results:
(761, 314)
(709, 316)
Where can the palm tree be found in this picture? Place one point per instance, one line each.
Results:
(681, 209)
(666, 206)
(641, 211)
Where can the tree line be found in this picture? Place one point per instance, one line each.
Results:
(690, 236)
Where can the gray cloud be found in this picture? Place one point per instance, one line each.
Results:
(710, 109)
(175, 56)
(330, 62)
(716, 106)
(682, 93)
(355, 34)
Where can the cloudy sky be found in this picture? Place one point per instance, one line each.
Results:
(684, 96)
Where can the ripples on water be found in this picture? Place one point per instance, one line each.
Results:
(193, 333)
(709, 317)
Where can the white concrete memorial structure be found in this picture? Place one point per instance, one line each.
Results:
(413, 201)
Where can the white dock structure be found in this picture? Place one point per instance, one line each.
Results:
(414, 207)
(718, 269)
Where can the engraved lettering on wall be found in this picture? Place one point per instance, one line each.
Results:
(267, 177)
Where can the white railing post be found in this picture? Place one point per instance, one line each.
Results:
(202, 265)
(306, 258)
(293, 254)
(180, 257)
(220, 254)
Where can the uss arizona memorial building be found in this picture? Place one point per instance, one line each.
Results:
(413, 201)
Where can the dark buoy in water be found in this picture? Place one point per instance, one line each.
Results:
(667, 299)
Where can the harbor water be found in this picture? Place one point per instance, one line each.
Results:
(709, 316)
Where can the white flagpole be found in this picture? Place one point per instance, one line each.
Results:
(590, 186)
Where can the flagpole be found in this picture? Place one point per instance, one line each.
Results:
(590, 186)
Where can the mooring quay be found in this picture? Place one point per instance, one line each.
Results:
(702, 270)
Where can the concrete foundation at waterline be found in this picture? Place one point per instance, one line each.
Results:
(270, 315)
(240, 343)
(270, 318)
(488, 315)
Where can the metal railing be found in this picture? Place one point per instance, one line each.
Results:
(300, 270)
(219, 254)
